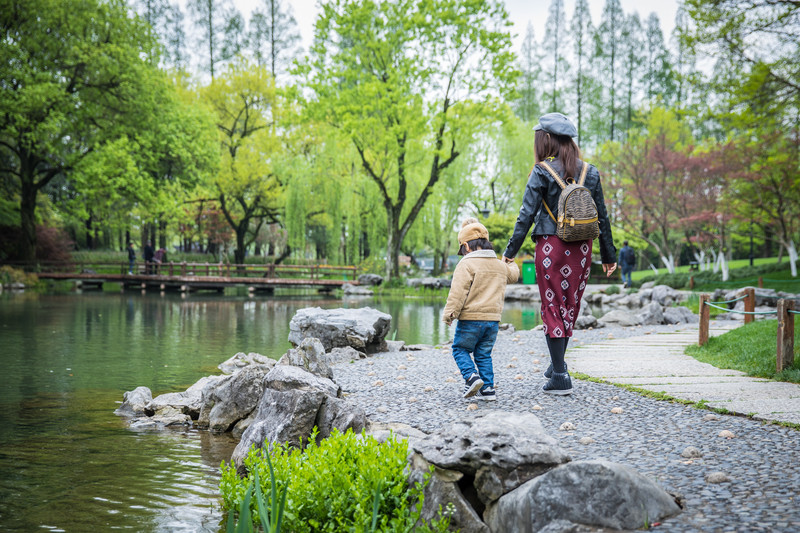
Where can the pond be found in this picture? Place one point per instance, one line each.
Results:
(67, 463)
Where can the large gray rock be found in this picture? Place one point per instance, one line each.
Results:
(651, 314)
(134, 402)
(680, 315)
(586, 322)
(518, 291)
(500, 450)
(344, 355)
(282, 417)
(310, 356)
(188, 402)
(666, 295)
(619, 317)
(336, 413)
(594, 493)
(443, 489)
(241, 360)
(631, 301)
(364, 329)
(287, 377)
(397, 430)
(233, 398)
(356, 290)
(370, 279)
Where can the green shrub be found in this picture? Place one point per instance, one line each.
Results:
(612, 289)
(334, 485)
(10, 275)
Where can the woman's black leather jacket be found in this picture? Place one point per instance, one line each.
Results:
(542, 185)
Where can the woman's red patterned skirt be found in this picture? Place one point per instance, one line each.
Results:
(562, 272)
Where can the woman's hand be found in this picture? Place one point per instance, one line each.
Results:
(609, 268)
(508, 259)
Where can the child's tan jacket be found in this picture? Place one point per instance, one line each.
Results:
(479, 286)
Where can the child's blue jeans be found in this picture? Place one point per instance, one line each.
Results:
(475, 337)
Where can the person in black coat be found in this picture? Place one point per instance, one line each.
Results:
(149, 253)
(562, 268)
(131, 257)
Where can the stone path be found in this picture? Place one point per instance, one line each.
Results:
(760, 461)
(657, 363)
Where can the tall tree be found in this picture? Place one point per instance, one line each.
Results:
(214, 19)
(273, 36)
(581, 32)
(528, 106)
(658, 78)
(175, 54)
(632, 63)
(247, 189)
(404, 80)
(608, 58)
(555, 62)
(73, 82)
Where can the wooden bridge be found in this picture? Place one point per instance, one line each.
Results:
(189, 277)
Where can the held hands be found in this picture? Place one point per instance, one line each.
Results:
(508, 259)
(609, 268)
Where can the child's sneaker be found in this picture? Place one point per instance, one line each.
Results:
(486, 393)
(558, 384)
(473, 385)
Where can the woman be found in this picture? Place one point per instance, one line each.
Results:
(562, 268)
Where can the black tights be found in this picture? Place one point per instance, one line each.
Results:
(557, 347)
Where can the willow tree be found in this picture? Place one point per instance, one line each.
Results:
(402, 80)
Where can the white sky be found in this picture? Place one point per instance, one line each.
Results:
(520, 11)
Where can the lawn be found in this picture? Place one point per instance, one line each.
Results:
(750, 348)
(736, 263)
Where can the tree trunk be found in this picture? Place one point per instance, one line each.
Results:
(27, 213)
(87, 225)
(162, 238)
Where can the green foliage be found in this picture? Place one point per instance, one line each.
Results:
(750, 348)
(334, 485)
(612, 289)
(708, 279)
(10, 275)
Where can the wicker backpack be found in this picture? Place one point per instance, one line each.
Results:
(577, 212)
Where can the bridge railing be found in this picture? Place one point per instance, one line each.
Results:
(173, 269)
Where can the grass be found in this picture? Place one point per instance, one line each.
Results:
(736, 263)
(751, 349)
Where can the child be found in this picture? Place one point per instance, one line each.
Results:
(476, 301)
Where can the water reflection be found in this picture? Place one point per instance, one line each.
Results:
(67, 462)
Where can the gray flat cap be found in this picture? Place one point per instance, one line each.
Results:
(557, 124)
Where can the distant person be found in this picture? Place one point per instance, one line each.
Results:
(159, 257)
(149, 253)
(627, 262)
(562, 268)
(131, 258)
(476, 300)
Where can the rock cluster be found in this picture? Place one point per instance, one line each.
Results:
(364, 329)
(766, 300)
(429, 283)
(502, 472)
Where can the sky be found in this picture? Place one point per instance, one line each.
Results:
(521, 12)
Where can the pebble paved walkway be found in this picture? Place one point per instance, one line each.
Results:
(761, 461)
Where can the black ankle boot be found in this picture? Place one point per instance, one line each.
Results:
(558, 384)
(549, 371)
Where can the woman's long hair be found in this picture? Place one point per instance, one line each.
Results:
(560, 147)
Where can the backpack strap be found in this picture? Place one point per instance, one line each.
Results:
(553, 173)
(584, 170)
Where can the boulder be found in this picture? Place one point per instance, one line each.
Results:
(287, 377)
(310, 356)
(188, 402)
(233, 398)
(336, 413)
(665, 295)
(166, 417)
(647, 285)
(445, 488)
(651, 314)
(680, 315)
(499, 451)
(383, 431)
(631, 301)
(364, 329)
(241, 360)
(593, 493)
(518, 291)
(356, 290)
(370, 279)
(395, 346)
(281, 417)
(585, 309)
(344, 355)
(586, 322)
(134, 402)
(428, 283)
(618, 317)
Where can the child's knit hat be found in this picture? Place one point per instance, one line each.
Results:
(471, 229)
